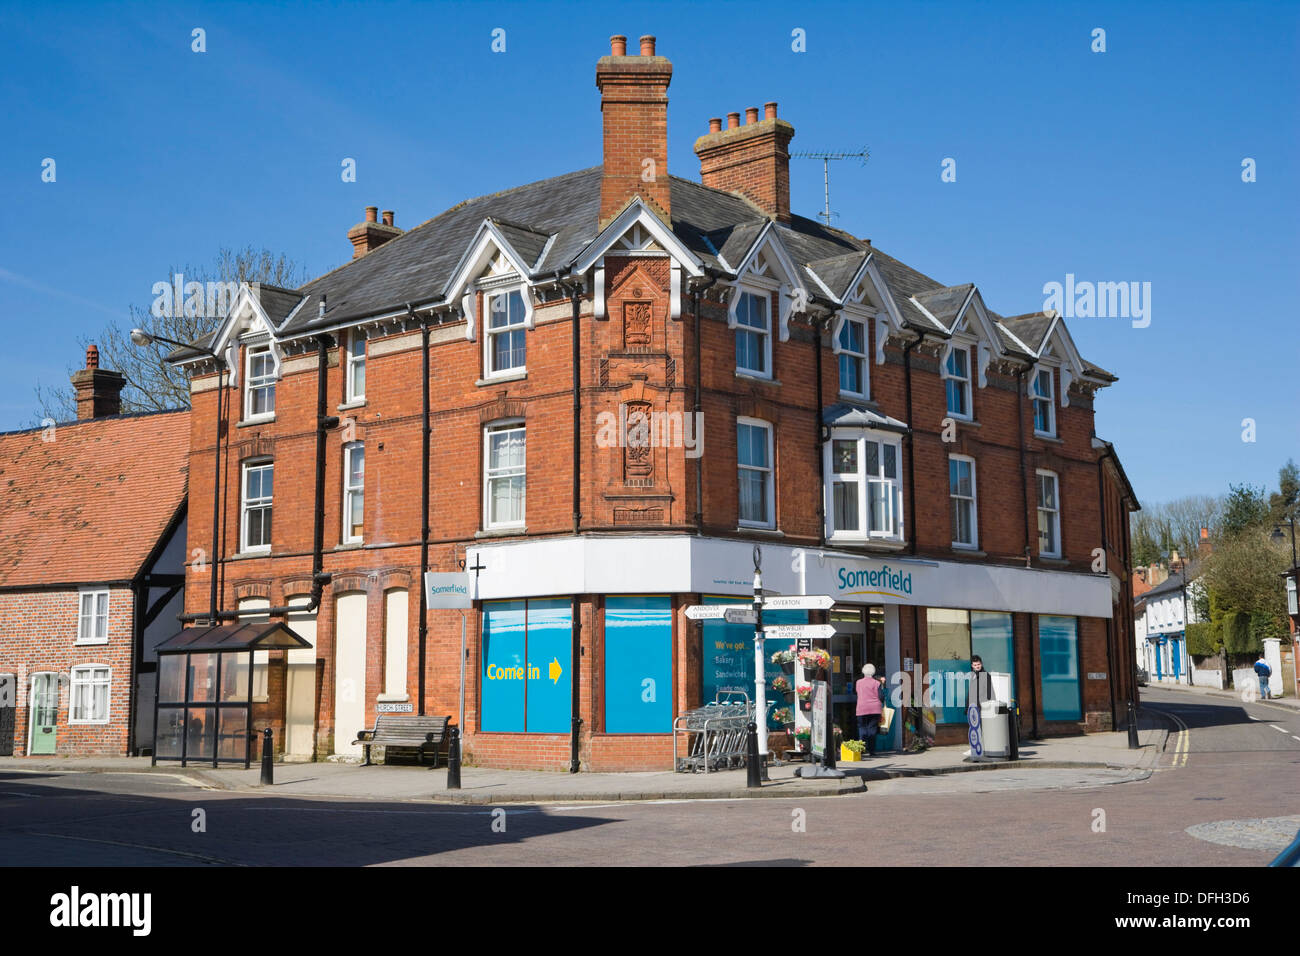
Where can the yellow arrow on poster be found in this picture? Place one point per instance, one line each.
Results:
(556, 670)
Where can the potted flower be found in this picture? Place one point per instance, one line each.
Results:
(802, 736)
(785, 659)
(815, 660)
(851, 750)
(783, 715)
(782, 686)
(804, 692)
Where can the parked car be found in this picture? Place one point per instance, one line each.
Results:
(1142, 677)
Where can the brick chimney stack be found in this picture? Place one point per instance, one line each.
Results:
(99, 390)
(753, 159)
(370, 235)
(634, 112)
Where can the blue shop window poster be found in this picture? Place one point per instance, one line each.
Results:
(1058, 652)
(638, 664)
(728, 659)
(526, 684)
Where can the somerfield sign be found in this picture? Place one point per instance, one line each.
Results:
(447, 589)
(874, 582)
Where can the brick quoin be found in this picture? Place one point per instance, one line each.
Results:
(633, 353)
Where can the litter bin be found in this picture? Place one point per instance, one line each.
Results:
(995, 718)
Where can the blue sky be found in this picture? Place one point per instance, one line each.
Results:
(1115, 166)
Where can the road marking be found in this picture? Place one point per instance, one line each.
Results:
(1294, 737)
(1280, 730)
(1182, 744)
(136, 846)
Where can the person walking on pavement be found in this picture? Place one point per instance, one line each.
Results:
(1264, 672)
(871, 702)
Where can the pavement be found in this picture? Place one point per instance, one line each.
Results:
(1085, 760)
(1287, 703)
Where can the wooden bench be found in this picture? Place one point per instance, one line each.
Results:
(406, 731)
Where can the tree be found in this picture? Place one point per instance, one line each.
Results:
(1244, 509)
(152, 383)
(1158, 529)
(1284, 503)
(1243, 575)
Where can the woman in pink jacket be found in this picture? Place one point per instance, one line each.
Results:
(871, 702)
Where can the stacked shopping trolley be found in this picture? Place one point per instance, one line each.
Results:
(713, 737)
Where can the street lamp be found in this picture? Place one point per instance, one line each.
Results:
(144, 339)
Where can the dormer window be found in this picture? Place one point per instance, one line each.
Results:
(956, 376)
(753, 335)
(852, 344)
(1044, 403)
(259, 396)
(504, 340)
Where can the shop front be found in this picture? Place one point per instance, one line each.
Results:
(919, 622)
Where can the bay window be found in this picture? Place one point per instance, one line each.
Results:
(864, 497)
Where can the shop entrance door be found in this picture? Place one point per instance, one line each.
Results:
(859, 639)
(44, 714)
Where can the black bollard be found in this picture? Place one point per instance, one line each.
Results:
(1013, 732)
(1132, 726)
(268, 758)
(754, 777)
(453, 759)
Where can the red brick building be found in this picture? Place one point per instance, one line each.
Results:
(92, 520)
(632, 379)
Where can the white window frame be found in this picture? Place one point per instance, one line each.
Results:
(769, 481)
(1054, 512)
(893, 487)
(490, 334)
(973, 498)
(489, 430)
(77, 680)
(1048, 400)
(841, 350)
(353, 361)
(261, 502)
(259, 383)
(87, 632)
(351, 490)
(965, 382)
(744, 328)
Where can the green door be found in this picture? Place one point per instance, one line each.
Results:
(45, 713)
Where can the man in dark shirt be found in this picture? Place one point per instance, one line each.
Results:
(981, 683)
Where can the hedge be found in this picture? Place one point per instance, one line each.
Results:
(1237, 636)
(1204, 639)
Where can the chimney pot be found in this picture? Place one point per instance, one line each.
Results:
(618, 45)
(372, 213)
(733, 120)
(388, 217)
(715, 124)
(647, 45)
(98, 390)
(634, 120)
(751, 115)
(769, 111)
(92, 356)
(755, 162)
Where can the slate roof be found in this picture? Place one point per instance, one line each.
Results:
(90, 505)
(1170, 585)
(549, 222)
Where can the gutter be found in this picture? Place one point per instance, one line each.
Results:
(823, 436)
(425, 429)
(1021, 394)
(1110, 621)
(911, 445)
(696, 294)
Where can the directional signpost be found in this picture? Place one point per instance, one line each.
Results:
(804, 634)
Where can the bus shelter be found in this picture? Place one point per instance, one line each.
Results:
(212, 687)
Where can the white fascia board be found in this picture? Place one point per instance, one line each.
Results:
(1015, 338)
(891, 307)
(822, 285)
(474, 259)
(792, 286)
(227, 342)
(926, 312)
(637, 212)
